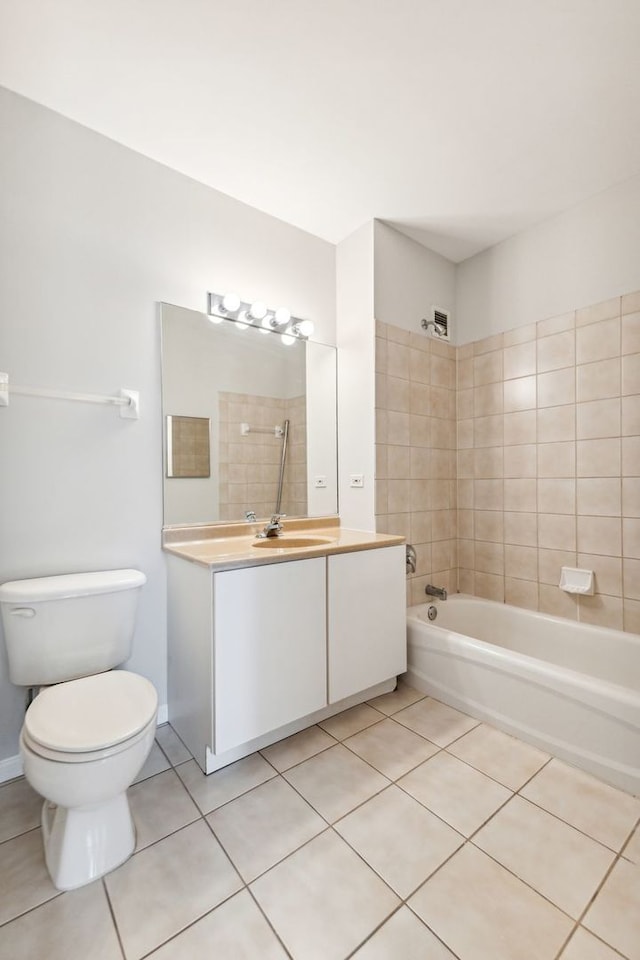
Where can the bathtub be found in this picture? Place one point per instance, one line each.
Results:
(570, 688)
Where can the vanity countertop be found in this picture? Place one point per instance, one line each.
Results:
(233, 545)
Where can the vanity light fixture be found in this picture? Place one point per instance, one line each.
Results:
(229, 306)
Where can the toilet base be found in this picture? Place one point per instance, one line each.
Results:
(83, 843)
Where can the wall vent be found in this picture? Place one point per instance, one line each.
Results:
(438, 324)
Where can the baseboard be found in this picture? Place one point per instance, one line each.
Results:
(11, 767)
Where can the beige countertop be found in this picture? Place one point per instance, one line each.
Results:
(228, 546)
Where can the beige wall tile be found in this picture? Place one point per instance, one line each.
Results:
(443, 433)
(465, 403)
(598, 312)
(465, 493)
(465, 350)
(489, 462)
(381, 426)
(488, 431)
(631, 333)
(487, 368)
(601, 610)
(420, 399)
(519, 335)
(599, 380)
(631, 374)
(439, 402)
(520, 461)
(598, 458)
(557, 351)
(557, 459)
(381, 329)
(466, 554)
(631, 612)
(443, 524)
(556, 424)
(398, 463)
(420, 494)
(608, 572)
(421, 463)
(465, 434)
(489, 525)
(521, 529)
(630, 416)
(420, 430)
(598, 418)
(488, 400)
(556, 532)
(520, 360)
(381, 391)
(465, 524)
(381, 497)
(490, 586)
(398, 428)
(521, 593)
(557, 387)
(398, 360)
(398, 334)
(443, 371)
(600, 497)
(398, 394)
(381, 355)
(550, 563)
(551, 325)
(631, 456)
(631, 538)
(488, 495)
(464, 373)
(631, 302)
(598, 341)
(599, 535)
(488, 344)
(381, 461)
(520, 494)
(631, 496)
(419, 366)
(466, 581)
(420, 526)
(557, 496)
(519, 394)
(466, 461)
(631, 572)
(398, 524)
(557, 602)
(521, 562)
(520, 427)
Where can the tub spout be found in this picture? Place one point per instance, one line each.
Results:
(438, 592)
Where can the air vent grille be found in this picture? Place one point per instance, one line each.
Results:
(441, 319)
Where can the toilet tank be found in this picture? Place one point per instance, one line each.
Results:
(60, 628)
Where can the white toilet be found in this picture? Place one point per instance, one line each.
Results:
(88, 732)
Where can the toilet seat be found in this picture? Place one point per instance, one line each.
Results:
(90, 718)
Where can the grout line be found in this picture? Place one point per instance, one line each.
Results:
(113, 917)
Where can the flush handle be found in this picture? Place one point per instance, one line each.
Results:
(22, 612)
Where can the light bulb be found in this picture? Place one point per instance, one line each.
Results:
(282, 316)
(267, 322)
(258, 310)
(287, 339)
(231, 303)
(304, 328)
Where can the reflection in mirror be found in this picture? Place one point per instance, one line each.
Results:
(272, 412)
(187, 448)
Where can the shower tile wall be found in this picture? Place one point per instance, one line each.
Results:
(249, 465)
(416, 451)
(549, 463)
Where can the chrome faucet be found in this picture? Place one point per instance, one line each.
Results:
(438, 592)
(273, 528)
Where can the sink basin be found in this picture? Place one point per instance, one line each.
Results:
(280, 543)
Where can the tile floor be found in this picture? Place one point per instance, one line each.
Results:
(398, 830)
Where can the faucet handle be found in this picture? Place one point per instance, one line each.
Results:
(250, 516)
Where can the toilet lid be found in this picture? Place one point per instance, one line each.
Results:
(92, 712)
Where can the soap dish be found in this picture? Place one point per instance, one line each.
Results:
(575, 580)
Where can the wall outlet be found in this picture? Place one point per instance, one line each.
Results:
(356, 480)
(320, 483)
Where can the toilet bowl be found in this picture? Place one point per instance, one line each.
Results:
(82, 744)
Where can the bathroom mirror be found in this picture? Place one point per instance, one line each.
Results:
(272, 420)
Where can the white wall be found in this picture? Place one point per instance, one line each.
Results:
(409, 280)
(583, 256)
(92, 236)
(356, 377)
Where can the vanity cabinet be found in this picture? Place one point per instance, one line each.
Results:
(270, 648)
(259, 652)
(366, 593)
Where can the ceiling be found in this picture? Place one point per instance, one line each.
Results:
(460, 122)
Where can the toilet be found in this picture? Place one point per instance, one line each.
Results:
(89, 730)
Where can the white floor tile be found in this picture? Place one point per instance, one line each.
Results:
(287, 753)
(505, 759)
(391, 748)
(159, 806)
(615, 913)
(335, 781)
(403, 937)
(436, 721)
(217, 788)
(584, 946)
(323, 901)
(351, 721)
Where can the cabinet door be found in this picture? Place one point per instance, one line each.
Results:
(270, 660)
(366, 619)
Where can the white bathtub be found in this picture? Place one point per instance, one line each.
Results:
(569, 688)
